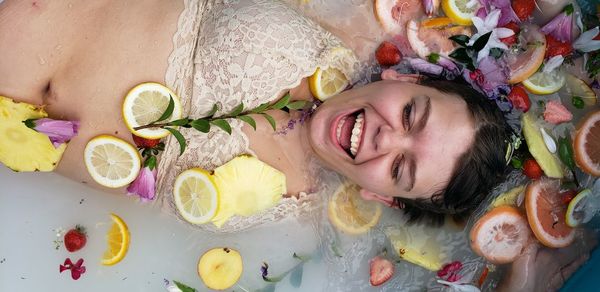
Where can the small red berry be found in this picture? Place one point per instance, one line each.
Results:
(388, 54)
(519, 98)
(75, 239)
(145, 143)
(532, 169)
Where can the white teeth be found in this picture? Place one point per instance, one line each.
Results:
(339, 128)
(356, 131)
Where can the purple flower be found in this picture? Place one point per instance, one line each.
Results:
(144, 184)
(507, 14)
(431, 6)
(264, 271)
(561, 26)
(58, 131)
(489, 78)
(423, 66)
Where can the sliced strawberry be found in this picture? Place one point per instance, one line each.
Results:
(388, 54)
(519, 98)
(381, 270)
(555, 47)
(556, 113)
(532, 169)
(511, 40)
(143, 142)
(523, 8)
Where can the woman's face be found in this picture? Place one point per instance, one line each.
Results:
(393, 138)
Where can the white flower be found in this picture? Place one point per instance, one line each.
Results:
(553, 63)
(485, 26)
(586, 43)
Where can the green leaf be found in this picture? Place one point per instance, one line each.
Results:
(460, 55)
(569, 9)
(183, 287)
(150, 162)
(296, 105)
(179, 137)
(30, 123)
(460, 39)
(282, 102)
(496, 53)
(212, 111)
(180, 122)
(237, 110)
(223, 124)
(249, 120)
(201, 125)
(433, 58)
(168, 112)
(261, 108)
(271, 121)
(481, 41)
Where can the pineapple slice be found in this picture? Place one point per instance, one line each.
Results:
(417, 244)
(247, 186)
(21, 148)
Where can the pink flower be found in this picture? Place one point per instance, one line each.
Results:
(144, 185)
(561, 26)
(77, 269)
(58, 131)
(450, 272)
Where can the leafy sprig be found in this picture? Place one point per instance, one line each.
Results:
(205, 123)
(466, 54)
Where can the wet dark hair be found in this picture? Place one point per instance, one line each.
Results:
(477, 170)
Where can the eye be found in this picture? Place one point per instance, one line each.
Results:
(406, 115)
(396, 167)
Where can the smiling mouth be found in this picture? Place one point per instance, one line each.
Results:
(349, 132)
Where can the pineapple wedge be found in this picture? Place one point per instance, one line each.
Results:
(417, 244)
(247, 186)
(21, 148)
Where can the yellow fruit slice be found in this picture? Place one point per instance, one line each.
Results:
(459, 12)
(144, 104)
(436, 22)
(510, 198)
(118, 241)
(220, 268)
(417, 244)
(325, 83)
(111, 161)
(196, 196)
(579, 210)
(350, 213)
(578, 87)
(545, 82)
(549, 162)
(247, 186)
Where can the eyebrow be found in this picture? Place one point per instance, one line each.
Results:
(419, 127)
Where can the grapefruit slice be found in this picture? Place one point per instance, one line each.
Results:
(501, 235)
(394, 14)
(587, 144)
(425, 40)
(525, 63)
(546, 213)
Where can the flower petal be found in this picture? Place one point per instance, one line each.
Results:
(503, 32)
(553, 63)
(144, 185)
(586, 43)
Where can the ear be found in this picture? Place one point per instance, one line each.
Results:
(371, 196)
(391, 74)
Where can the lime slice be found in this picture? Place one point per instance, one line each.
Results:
(579, 210)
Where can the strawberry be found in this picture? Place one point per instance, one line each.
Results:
(555, 47)
(143, 142)
(556, 113)
(519, 98)
(511, 40)
(381, 270)
(75, 238)
(388, 54)
(523, 8)
(532, 169)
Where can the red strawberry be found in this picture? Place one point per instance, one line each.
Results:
(143, 142)
(388, 54)
(75, 239)
(523, 8)
(381, 270)
(532, 169)
(555, 47)
(511, 40)
(519, 98)
(556, 113)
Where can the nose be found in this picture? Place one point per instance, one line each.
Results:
(389, 139)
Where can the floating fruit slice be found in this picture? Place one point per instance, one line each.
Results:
(425, 41)
(545, 82)
(118, 241)
(247, 186)
(500, 235)
(549, 162)
(459, 11)
(220, 268)
(436, 22)
(510, 198)
(587, 144)
(578, 87)
(417, 244)
(525, 63)
(144, 104)
(546, 213)
(393, 14)
(579, 211)
(327, 83)
(196, 196)
(349, 212)
(111, 161)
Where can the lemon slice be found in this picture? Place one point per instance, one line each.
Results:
(196, 196)
(545, 82)
(111, 161)
(576, 212)
(350, 213)
(118, 241)
(327, 83)
(144, 104)
(578, 87)
(459, 12)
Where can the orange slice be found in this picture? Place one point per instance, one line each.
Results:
(546, 213)
(587, 144)
(524, 64)
(436, 22)
(500, 235)
(118, 241)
